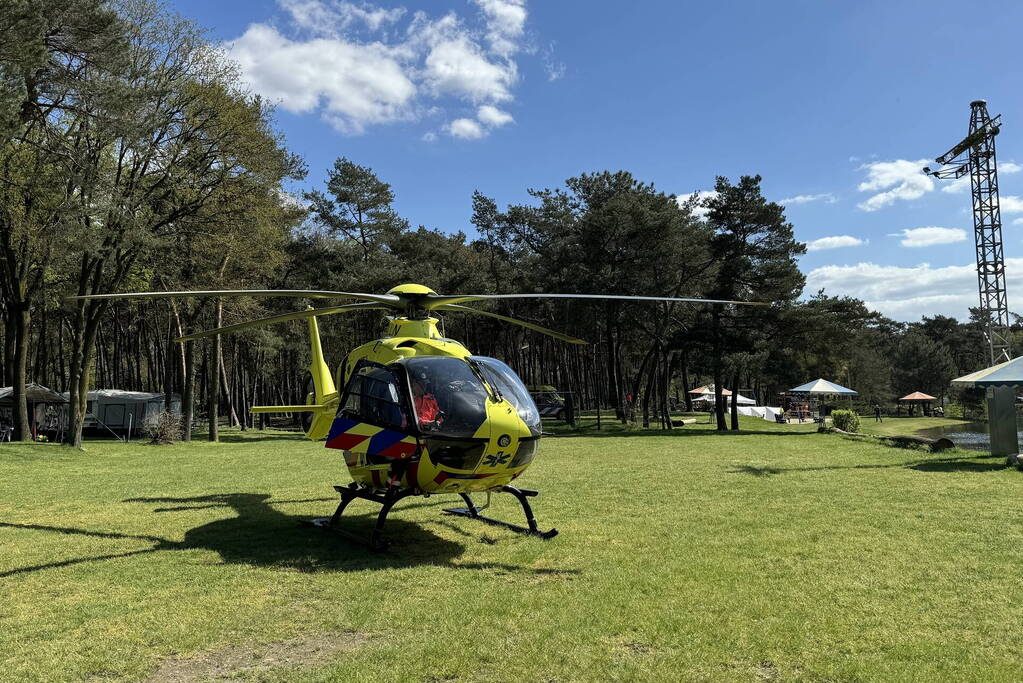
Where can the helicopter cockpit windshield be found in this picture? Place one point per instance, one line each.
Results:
(508, 384)
(448, 397)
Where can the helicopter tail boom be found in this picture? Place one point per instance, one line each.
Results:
(310, 408)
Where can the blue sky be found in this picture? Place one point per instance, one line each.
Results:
(832, 103)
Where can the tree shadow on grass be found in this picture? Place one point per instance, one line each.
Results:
(259, 535)
(677, 431)
(252, 437)
(958, 464)
(964, 464)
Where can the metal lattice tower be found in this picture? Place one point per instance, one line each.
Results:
(975, 154)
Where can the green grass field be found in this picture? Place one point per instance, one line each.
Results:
(772, 554)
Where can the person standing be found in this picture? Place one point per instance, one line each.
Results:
(877, 413)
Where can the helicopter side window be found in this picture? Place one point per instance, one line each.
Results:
(447, 396)
(373, 396)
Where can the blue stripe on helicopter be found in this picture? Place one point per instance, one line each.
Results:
(340, 426)
(384, 440)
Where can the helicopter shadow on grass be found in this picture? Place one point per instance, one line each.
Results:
(259, 535)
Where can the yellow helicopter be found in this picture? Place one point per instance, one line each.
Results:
(418, 414)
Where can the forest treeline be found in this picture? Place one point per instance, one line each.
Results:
(133, 159)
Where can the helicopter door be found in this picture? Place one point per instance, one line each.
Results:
(374, 416)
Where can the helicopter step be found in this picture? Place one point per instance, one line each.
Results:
(473, 512)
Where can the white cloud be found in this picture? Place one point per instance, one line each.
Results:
(701, 196)
(899, 179)
(930, 236)
(351, 84)
(467, 129)
(907, 293)
(356, 66)
(957, 186)
(429, 136)
(492, 116)
(1018, 221)
(963, 184)
(835, 242)
(553, 68)
(506, 20)
(807, 198)
(1011, 204)
(457, 65)
(331, 17)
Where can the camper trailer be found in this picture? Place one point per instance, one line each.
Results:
(121, 412)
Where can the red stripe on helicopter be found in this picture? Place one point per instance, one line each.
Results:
(346, 442)
(391, 444)
(401, 449)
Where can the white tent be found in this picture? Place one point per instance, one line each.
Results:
(739, 399)
(763, 412)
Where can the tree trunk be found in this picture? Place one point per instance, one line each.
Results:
(213, 396)
(631, 405)
(647, 394)
(168, 369)
(85, 332)
(669, 363)
(735, 401)
(232, 415)
(685, 383)
(719, 405)
(21, 319)
(188, 392)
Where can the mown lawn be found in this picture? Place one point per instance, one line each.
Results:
(906, 425)
(773, 554)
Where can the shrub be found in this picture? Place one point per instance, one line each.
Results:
(846, 420)
(164, 429)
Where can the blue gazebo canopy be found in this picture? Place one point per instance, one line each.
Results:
(822, 386)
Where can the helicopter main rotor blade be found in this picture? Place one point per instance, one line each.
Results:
(303, 293)
(433, 301)
(284, 317)
(514, 321)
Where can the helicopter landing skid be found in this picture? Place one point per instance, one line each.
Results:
(387, 500)
(472, 512)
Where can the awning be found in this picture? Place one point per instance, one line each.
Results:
(917, 396)
(1007, 374)
(822, 386)
(36, 393)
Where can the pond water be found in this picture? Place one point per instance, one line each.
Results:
(969, 435)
